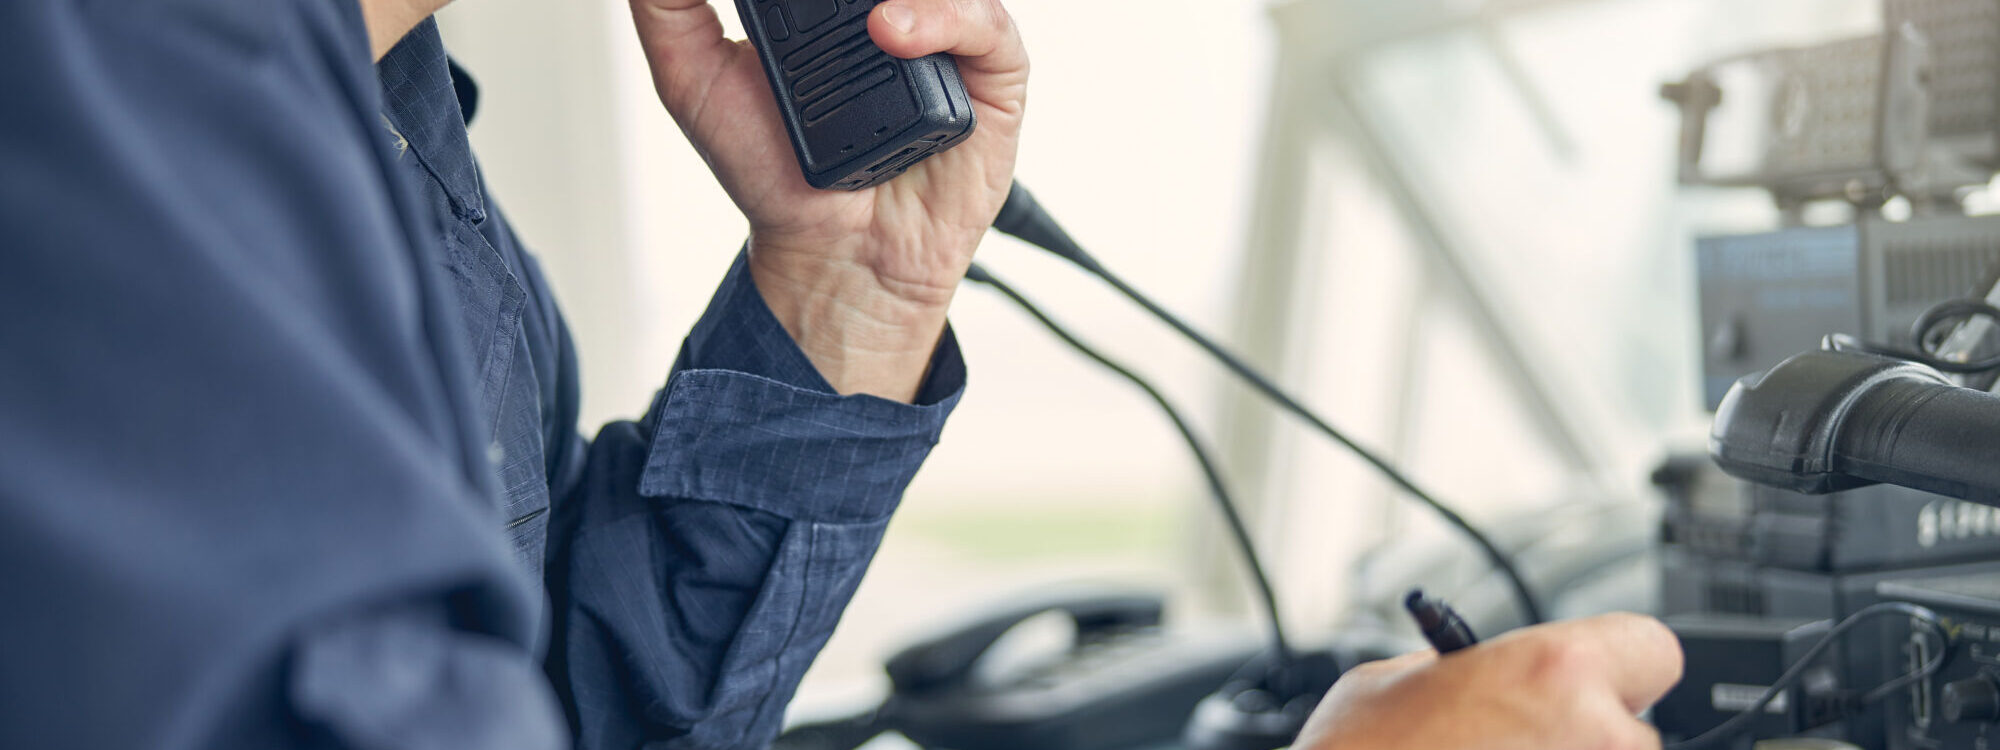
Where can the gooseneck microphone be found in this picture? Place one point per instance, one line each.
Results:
(1024, 218)
(1210, 469)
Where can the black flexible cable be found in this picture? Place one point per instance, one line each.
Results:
(1929, 332)
(1210, 470)
(1023, 218)
(1739, 723)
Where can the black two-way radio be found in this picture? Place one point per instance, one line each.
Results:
(857, 115)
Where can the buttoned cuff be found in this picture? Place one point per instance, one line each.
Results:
(747, 420)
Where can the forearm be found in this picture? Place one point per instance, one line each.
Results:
(701, 558)
(686, 624)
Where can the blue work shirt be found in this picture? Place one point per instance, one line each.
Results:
(289, 453)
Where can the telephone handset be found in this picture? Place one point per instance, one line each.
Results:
(949, 660)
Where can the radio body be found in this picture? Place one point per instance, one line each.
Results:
(857, 116)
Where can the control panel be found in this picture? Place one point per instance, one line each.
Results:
(1959, 707)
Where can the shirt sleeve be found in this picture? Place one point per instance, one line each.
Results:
(241, 502)
(713, 545)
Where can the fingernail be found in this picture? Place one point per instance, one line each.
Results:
(900, 17)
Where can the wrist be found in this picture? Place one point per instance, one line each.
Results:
(865, 333)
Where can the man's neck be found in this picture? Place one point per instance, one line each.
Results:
(389, 20)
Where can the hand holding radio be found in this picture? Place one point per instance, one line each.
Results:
(1567, 686)
(860, 276)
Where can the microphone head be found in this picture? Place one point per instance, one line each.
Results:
(1018, 211)
(1022, 218)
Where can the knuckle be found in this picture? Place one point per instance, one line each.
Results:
(1558, 665)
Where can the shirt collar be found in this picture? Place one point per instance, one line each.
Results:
(421, 101)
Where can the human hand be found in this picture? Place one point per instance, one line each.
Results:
(1568, 686)
(860, 279)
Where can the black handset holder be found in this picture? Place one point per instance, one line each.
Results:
(949, 660)
(857, 116)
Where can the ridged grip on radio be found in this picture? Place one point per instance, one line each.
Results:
(856, 115)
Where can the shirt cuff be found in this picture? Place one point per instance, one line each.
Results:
(747, 420)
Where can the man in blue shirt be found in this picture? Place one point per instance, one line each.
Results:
(289, 454)
(277, 369)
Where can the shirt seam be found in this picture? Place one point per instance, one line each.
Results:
(791, 634)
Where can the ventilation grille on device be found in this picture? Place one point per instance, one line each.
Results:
(835, 69)
(1924, 273)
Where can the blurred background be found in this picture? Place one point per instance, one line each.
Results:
(1452, 225)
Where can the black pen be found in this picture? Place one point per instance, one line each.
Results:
(1446, 631)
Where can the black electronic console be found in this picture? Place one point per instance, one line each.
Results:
(1865, 530)
(1123, 681)
(1959, 707)
(1730, 661)
(1765, 297)
(1850, 496)
(1120, 682)
(857, 116)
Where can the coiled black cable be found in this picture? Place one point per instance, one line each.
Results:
(1930, 332)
